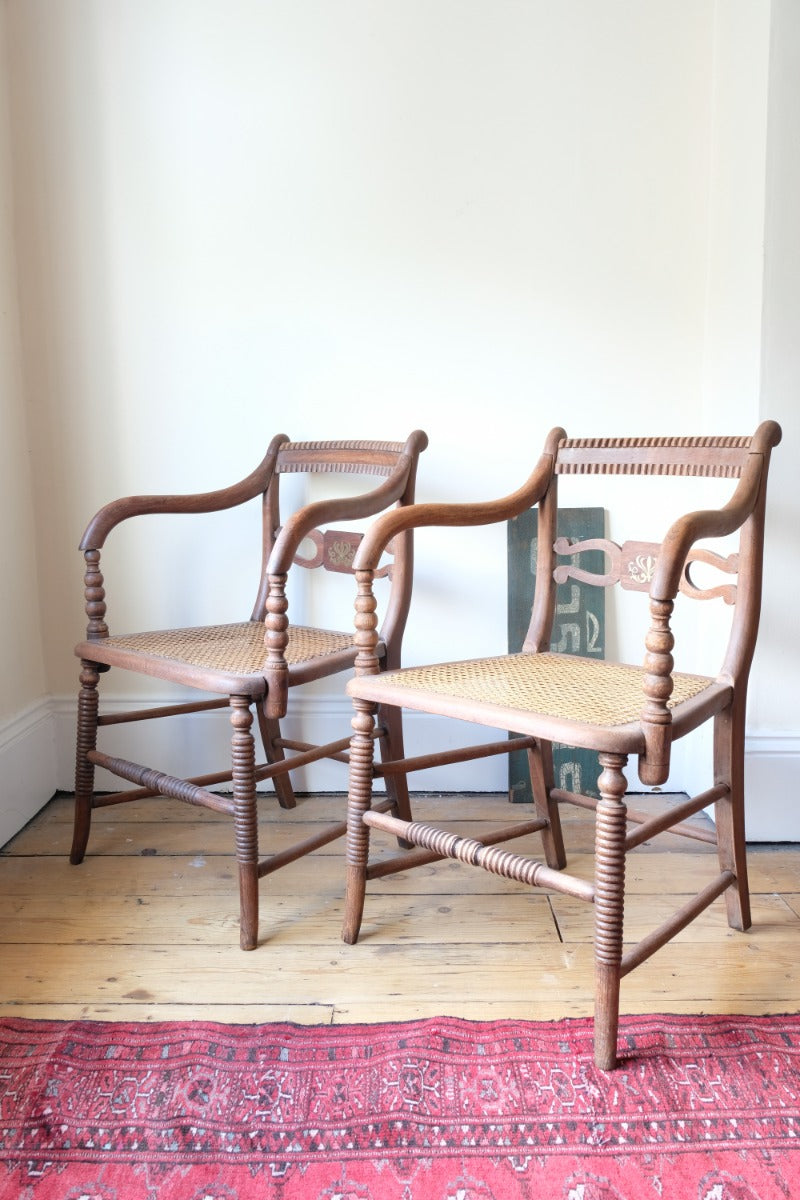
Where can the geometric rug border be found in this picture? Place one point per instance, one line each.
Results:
(440, 1108)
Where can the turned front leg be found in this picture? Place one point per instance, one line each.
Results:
(359, 800)
(84, 769)
(362, 758)
(243, 761)
(609, 903)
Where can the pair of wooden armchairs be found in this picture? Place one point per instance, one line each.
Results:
(616, 709)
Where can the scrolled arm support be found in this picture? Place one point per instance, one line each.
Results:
(121, 510)
(415, 516)
(706, 523)
(683, 534)
(117, 511)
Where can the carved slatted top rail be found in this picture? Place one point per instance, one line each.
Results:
(367, 457)
(721, 457)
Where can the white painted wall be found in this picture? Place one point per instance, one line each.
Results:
(773, 760)
(333, 218)
(358, 219)
(731, 367)
(25, 725)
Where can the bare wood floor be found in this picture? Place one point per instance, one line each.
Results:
(146, 927)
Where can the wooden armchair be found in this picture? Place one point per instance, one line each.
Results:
(253, 663)
(615, 709)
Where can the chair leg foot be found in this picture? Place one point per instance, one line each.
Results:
(248, 924)
(353, 905)
(606, 1020)
(738, 912)
(84, 769)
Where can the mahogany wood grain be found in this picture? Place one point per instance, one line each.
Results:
(245, 666)
(620, 712)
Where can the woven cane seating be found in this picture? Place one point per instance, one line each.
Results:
(616, 709)
(250, 666)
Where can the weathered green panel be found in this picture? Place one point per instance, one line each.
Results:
(579, 628)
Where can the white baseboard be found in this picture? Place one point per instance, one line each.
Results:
(772, 781)
(771, 777)
(199, 743)
(28, 770)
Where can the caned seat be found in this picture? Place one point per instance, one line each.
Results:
(617, 709)
(251, 665)
(221, 657)
(525, 692)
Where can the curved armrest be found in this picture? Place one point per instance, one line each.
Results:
(746, 500)
(716, 522)
(343, 508)
(112, 514)
(415, 516)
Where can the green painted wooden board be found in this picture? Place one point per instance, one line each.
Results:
(579, 628)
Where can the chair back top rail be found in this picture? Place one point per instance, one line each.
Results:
(722, 457)
(342, 457)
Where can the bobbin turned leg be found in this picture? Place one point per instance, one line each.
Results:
(729, 814)
(245, 818)
(609, 906)
(359, 800)
(84, 769)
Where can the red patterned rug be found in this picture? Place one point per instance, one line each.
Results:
(702, 1108)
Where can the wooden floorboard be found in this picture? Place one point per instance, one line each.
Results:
(147, 927)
